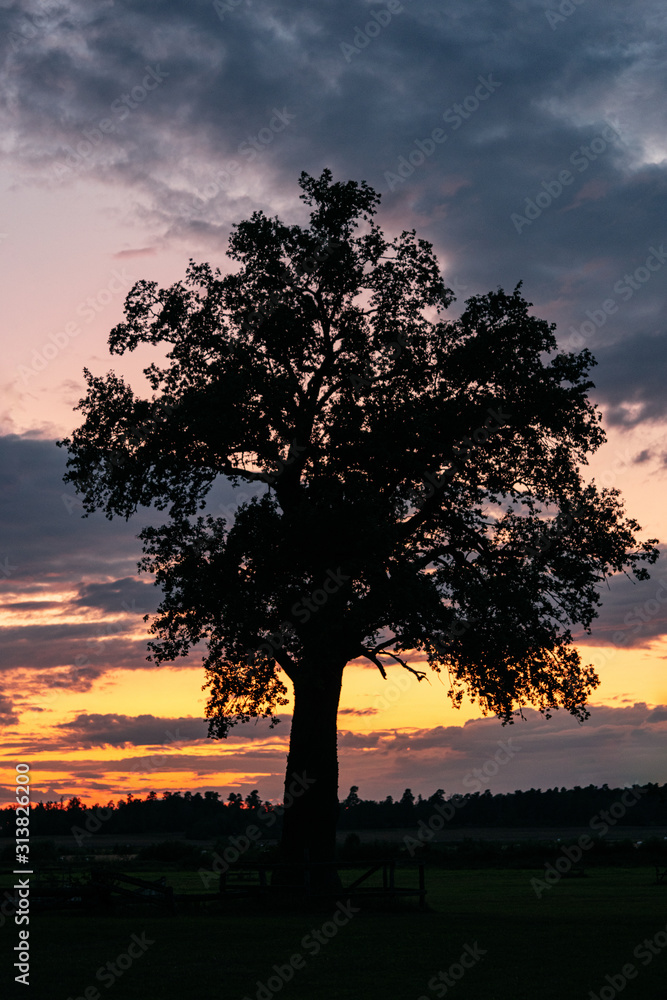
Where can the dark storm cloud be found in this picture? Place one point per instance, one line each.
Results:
(47, 547)
(634, 392)
(45, 538)
(243, 96)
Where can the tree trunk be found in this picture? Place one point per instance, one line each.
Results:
(311, 778)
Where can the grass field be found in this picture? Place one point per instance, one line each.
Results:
(558, 947)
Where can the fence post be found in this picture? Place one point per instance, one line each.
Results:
(306, 870)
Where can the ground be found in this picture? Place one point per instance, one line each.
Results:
(576, 938)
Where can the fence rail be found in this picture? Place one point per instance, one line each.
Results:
(322, 878)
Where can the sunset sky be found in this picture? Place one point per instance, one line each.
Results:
(524, 143)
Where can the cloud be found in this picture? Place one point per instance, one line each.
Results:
(90, 730)
(237, 106)
(630, 382)
(360, 113)
(617, 745)
(138, 252)
(48, 543)
(7, 714)
(31, 606)
(127, 594)
(632, 613)
(39, 647)
(195, 122)
(88, 564)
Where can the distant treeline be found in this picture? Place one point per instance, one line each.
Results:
(198, 816)
(535, 808)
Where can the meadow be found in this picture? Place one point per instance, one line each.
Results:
(486, 930)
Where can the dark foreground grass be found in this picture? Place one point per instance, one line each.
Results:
(558, 947)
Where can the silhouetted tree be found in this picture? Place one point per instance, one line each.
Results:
(253, 801)
(421, 484)
(352, 800)
(203, 817)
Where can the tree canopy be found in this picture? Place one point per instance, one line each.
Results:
(421, 491)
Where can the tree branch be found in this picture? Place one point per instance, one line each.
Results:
(369, 654)
(419, 674)
(252, 477)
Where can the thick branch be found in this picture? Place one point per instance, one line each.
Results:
(252, 477)
(369, 654)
